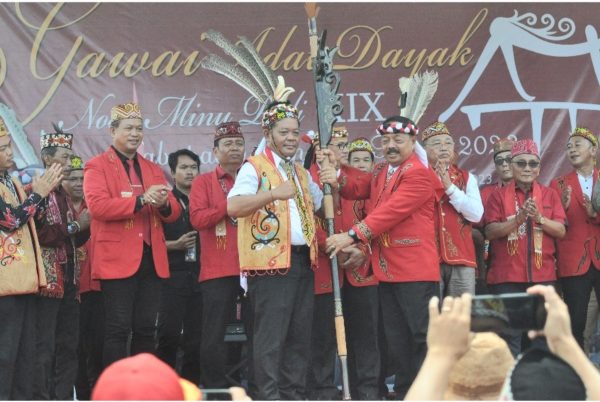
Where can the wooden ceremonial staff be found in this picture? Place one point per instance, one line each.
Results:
(329, 107)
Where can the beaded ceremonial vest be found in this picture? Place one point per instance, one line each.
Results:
(264, 236)
(21, 271)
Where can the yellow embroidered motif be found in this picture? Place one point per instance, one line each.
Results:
(308, 228)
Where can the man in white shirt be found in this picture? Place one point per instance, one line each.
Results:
(578, 260)
(274, 199)
(455, 213)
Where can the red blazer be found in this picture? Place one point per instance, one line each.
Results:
(208, 206)
(579, 248)
(116, 236)
(399, 219)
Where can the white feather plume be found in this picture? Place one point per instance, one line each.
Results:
(420, 91)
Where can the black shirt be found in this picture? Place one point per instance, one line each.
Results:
(175, 230)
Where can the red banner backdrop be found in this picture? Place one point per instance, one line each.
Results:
(527, 70)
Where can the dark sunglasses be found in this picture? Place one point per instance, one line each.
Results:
(523, 164)
(342, 145)
(500, 161)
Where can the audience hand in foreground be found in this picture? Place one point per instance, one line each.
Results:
(449, 332)
(448, 339)
(561, 341)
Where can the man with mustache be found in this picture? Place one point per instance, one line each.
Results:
(128, 198)
(363, 355)
(399, 226)
(579, 252)
(522, 221)
(22, 274)
(220, 272)
(455, 213)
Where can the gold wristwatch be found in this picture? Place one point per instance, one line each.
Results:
(541, 220)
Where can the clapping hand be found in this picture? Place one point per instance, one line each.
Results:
(49, 180)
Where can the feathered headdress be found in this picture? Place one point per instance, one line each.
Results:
(250, 71)
(24, 153)
(416, 94)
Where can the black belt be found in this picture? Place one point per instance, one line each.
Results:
(303, 249)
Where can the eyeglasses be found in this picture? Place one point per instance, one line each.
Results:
(523, 164)
(439, 145)
(342, 145)
(500, 161)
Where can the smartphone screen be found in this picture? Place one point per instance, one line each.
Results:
(519, 311)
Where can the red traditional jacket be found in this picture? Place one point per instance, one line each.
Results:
(399, 222)
(86, 283)
(323, 278)
(347, 213)
(352, 212)
(454, 237)
(485, 192)
(579, 248)
(218, 234)
(521, 267)
(117, 238)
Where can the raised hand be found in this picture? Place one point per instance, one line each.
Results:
(84, 220)
(449, 332)
(587, 203)
(531, 208)
(565, 197)
(441, 169)
(49, 180)
(328, 175)
(285, 191)
(157, 195)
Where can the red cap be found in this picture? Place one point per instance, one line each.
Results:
(524, 147)
(228, 129)
(140, 377)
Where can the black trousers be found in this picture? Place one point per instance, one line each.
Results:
(131, 304)
(320, 378)
(406, 318)
(181, 311)
(17, 346)
(576, 291)
(57, 337)
(361, 316)
(282, 307)
(517, 340)
(91, 343)
(218, 309)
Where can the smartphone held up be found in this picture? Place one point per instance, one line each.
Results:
(517, 311)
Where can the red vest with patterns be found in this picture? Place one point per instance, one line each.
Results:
(454, 240)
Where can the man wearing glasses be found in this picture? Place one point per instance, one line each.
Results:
(502, 159)
(455, 213)
(522, 220)
(502, 167)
